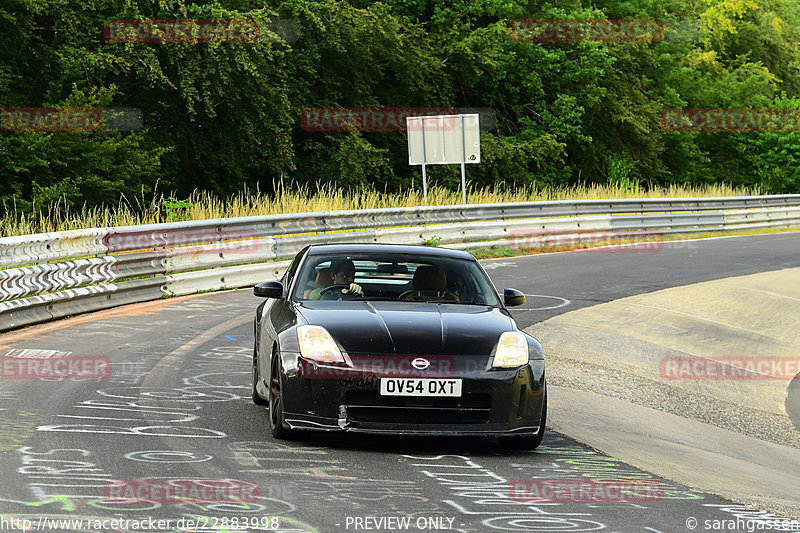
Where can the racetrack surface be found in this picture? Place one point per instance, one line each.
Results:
(176, 407)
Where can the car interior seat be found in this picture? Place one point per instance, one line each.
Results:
(430, 284)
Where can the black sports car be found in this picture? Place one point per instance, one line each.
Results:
(395, 339)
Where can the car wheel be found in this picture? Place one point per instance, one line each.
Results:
(257, 399)
(530, 442)
(276, 402)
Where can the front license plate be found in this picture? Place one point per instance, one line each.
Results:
(420, 387)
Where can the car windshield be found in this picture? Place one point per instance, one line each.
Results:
(400, 277)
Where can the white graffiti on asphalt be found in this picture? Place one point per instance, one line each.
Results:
(478, 491)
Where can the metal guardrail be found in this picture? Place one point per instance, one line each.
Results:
(52, 275)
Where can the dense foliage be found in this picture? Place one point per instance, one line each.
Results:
(219, 116)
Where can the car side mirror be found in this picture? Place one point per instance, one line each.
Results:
(513, 297)
(269, 289)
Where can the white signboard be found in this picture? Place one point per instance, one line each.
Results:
(444, 140)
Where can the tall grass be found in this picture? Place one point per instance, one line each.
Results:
(205, 205)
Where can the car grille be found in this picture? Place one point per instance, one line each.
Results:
(369, 406)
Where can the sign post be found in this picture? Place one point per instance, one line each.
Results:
(444, 140)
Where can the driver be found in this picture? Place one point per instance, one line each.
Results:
(343, 272)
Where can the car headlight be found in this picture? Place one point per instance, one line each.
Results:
(318, 345)
(511, 351)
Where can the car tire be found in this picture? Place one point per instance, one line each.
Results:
(257, 399)
(276, 402)
(529, 442)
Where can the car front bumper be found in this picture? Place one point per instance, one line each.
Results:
(493, 402)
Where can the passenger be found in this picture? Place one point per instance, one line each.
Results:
(343, 272)
(322, 280)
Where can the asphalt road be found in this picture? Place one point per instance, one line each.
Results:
(600, 275)
(175, 409)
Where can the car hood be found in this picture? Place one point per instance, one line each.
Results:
(417, 328)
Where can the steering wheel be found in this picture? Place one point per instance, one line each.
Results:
(328, 292)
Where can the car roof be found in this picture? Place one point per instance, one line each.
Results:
(352, 248)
